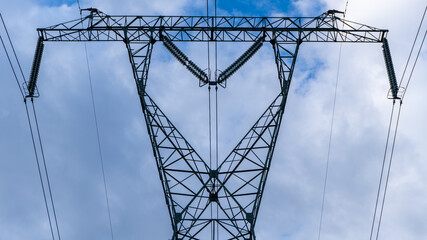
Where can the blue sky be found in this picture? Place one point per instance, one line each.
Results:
(292, 201)
(55, 3)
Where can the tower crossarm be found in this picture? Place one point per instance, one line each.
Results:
(97, 26)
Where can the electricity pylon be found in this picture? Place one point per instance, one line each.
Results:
(190, 186)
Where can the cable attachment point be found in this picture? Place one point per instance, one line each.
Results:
(400, 93)
(333, 12)
(91, 10)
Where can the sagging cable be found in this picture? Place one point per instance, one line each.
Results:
(241, 60)
(183, 59)
(390, 70)
(32, 84)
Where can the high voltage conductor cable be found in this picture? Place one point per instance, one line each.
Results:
(45, 169)
(33, 141)
(97, 133)
(330, 135)
(415, 63)
(32, 138)
(396, 128)
(11, 65)
(39, 170)
(209, 90)
(413, 45)
(395, 131)
(382, 170)
(216, 148)
(210, 114)
(216, 116)
(13, 49)
(388, 170)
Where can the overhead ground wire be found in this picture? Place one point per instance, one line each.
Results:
(330, 137)
(97, 133)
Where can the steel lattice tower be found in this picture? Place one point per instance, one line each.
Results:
(191, 186)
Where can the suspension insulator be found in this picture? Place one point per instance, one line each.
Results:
(35, 68)
(390, 69)
(241, 60)
(183, 59)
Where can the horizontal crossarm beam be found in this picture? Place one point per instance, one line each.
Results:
(98, 26)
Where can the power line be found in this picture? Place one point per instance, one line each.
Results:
(415, 63)
(412, 48)
(395, 132)
(210, 117)
(13, 49)
(210, 114)
(10, 62)
(99, 145)
(216, 115)
(396, 128)
(209, 90)
(39, 169)
(329, 144)
(382, 170)
(45, 169)
(32, 138)
(330, 136)
(97, 133)
(389, 168)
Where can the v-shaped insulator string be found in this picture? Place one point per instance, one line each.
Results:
(183, 59)
(199, 73)
(241, 60)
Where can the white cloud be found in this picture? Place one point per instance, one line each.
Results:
(291, 205)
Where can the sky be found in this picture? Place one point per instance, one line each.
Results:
(292, 200)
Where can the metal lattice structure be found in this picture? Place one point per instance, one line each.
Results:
(190, 186)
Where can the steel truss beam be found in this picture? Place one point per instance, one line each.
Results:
(98, 26)
(191, 187)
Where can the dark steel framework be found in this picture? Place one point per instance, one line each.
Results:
(190, 186)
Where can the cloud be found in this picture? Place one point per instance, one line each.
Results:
(292, 200)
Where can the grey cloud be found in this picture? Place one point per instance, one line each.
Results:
(291, 205)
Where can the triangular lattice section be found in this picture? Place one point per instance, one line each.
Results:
(201, 199)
